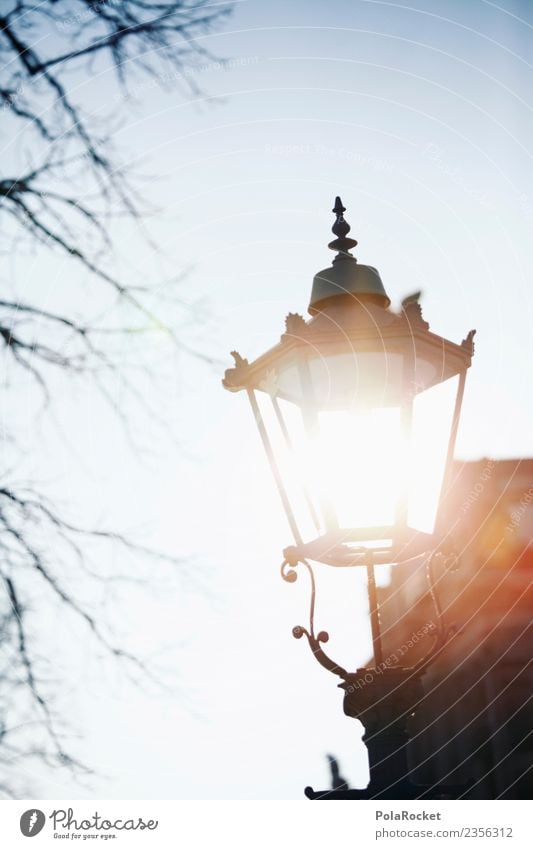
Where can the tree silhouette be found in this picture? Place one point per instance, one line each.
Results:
(62, 190)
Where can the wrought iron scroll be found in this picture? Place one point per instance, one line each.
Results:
(289, 574)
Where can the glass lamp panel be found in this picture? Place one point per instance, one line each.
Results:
(284, 382)
(341, 381)
(356, 379)
(289, 443)
(432, 422)
(426, 372)
(338, 433)
(358, 464)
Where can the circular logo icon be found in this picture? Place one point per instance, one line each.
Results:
(32, 822)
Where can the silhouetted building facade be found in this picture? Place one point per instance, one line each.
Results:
(475, 722)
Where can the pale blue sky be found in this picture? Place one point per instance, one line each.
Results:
(420, 116)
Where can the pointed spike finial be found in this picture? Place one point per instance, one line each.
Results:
(338, 209)
(340, 229)
(346, 280)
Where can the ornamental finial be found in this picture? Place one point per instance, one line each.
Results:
(340, 229)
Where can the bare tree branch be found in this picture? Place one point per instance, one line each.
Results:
(71, 189)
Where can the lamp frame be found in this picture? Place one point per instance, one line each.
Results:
(371, 329)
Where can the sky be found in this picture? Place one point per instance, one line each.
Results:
(419, 115)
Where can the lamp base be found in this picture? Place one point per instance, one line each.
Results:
(384, 700)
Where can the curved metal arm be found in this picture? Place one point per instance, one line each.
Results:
(441, 632)
(289, 574)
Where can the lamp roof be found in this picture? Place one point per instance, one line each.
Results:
(345, 277)
(350, 314)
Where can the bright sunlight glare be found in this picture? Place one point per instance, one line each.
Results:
(359, 464)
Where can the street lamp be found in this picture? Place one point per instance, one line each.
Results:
(358, 409)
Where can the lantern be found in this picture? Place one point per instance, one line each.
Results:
(358, 409)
